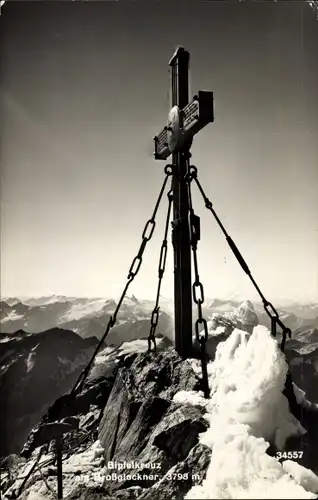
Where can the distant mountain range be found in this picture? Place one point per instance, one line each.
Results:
(89, 316)
(86, 317)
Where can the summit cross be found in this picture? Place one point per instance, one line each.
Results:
(184, 121)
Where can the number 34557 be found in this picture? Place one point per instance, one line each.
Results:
(289, 454)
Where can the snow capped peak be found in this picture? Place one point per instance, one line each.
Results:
(243, 317)
(45, 300)
(245, 312)
(10, 301)
(131, 301)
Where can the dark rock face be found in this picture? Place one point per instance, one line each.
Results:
(304, 369)
(36, 370)
(143, 380)
(135, 439)
(184, 421)
(182, 477)
(140, 423)
(309, 442)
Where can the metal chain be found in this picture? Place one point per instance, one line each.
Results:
(194, 226)
(161, 270)
(268, 306)
(133, 271)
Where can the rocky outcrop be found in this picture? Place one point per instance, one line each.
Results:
(141, 423)
(180, 478)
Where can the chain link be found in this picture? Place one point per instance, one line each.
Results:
(275, 320)
(133, 271)
(269, 308)
(161, 270)
(197, 289)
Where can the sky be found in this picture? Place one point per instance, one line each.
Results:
(84, 89)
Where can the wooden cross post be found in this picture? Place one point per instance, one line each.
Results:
(184, 121)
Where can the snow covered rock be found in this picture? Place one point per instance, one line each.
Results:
(247, 411)
(306, 478)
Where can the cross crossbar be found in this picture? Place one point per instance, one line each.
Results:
(193, 118)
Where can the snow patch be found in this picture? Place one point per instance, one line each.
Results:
(12, 316)
(193, 397)
(103, 356)
(30, 361)
(305, 477)
(301, 399)
(307, 349)
(85, 461)
(80, 310)
(5, 339)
